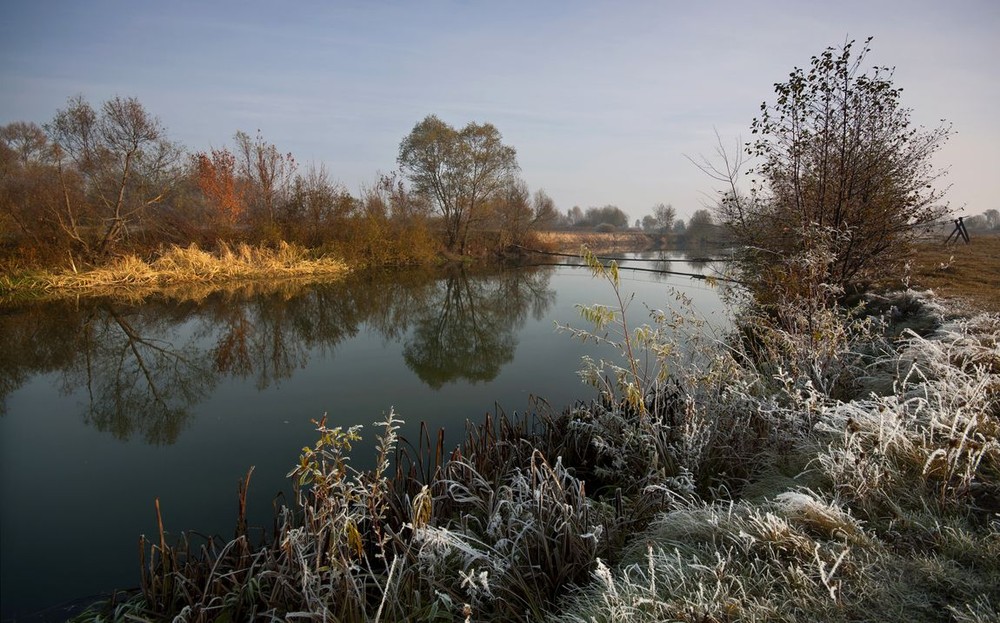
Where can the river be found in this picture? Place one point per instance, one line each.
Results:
(107, 405)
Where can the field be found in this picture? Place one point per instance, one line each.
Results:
(967, 275)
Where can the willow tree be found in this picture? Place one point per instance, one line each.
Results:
(459, 170)
(840, 175)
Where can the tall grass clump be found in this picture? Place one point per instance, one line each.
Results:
(679, 410)
(327, 556)
(495, 532)
(185, 265)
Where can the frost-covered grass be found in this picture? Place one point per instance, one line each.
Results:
(771, 476)
(901, 521)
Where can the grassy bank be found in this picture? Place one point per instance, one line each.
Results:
(176, 267)
(965, 274)
(840, 474)
(598, 242)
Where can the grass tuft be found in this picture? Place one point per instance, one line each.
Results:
(182, 267)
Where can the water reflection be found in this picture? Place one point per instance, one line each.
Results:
(138, 380)
(467, 327)
(140, 368)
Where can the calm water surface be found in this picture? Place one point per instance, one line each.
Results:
(105, 406)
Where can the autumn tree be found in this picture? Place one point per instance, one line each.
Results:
(510, 212)
(400, 203)
(516, 211)
(392, 223)
(217, 179)
(26, 142)
(126, 163)
(459, 170)
(840, 175)
(316, 206)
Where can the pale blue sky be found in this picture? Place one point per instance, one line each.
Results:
(602, 100)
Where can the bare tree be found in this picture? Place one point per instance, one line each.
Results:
(663, 217)
(992, 218)
(545, 212)
(574, 216)
(126, 162)
(266, 172)
(511, 212)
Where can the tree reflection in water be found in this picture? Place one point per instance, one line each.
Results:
(140, 368)
(137, 383)
(467, 328)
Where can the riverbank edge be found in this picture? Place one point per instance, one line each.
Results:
(933, 318)
(175, 271)
(809, 515)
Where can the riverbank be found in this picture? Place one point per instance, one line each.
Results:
(795, 481)
(176, 269)
(597, 242)
(191, 272)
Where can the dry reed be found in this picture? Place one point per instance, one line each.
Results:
(187, 267)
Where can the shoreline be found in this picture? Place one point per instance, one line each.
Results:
(190, 267)
(803, 512)
(960, 274)
(784, 519)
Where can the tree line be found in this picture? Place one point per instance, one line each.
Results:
(986, 222)
(98, 181)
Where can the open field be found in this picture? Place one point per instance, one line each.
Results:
(966, 274)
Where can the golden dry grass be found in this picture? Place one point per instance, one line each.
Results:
(184, 268)
(968, 274)
(598, 242)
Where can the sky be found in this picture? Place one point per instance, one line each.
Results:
(605, 102)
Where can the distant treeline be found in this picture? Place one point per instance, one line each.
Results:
(96, 182)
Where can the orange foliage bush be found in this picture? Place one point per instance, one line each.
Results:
(216, 176)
